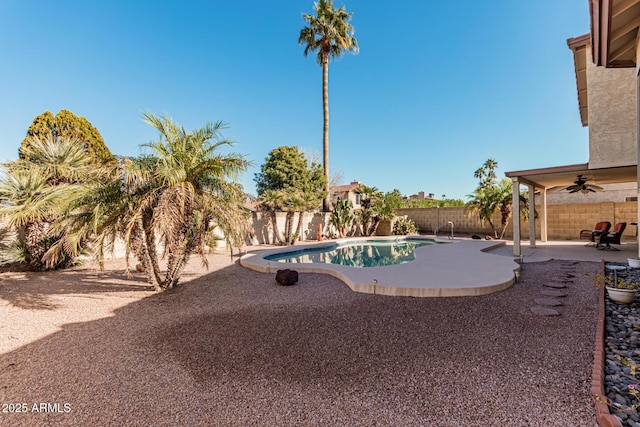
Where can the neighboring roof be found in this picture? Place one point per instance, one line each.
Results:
(345, 188)
(565, 175)
(579, 46)
(253, 205)
(614, 32)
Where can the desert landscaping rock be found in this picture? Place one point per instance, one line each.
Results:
(230, 347)
(622, 343)
(287, 277)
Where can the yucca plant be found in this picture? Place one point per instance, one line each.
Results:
(342, 216)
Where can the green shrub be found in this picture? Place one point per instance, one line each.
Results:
(404, 226)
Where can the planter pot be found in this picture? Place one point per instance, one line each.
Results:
(633, 262)
(385, 228)
(621, 296)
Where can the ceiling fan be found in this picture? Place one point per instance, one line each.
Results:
(580, 185)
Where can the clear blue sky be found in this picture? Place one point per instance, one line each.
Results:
(437, 88)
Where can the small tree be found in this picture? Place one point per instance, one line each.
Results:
(288, 182)
(374, 207)
(67, 125)
(174, 195)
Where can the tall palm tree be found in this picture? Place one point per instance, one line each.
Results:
(330, 34)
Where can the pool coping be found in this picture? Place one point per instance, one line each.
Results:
(460, 267)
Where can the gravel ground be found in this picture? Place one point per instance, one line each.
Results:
(232, 348)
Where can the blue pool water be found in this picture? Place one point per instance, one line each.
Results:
(369, 253)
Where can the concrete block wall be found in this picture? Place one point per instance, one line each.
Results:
(428, 219)
(564, 221)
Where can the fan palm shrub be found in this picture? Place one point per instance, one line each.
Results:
(36, 191)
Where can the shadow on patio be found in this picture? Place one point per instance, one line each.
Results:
(570, 250)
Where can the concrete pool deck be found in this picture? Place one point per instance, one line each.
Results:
(460, 267)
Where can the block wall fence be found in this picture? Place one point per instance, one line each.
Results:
(564, 221)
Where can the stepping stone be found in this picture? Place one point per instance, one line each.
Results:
(544, 311)
(553, 293)
(549, 302)
(554, 285)
(562, 281)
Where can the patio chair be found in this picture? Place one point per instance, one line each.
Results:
(605, 240)
(600, 228)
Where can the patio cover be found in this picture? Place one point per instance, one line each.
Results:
(615, 43)
(557, 177)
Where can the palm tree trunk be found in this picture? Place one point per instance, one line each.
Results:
(505, 213)
(289, 227)
(326, 203)
(144, 248)
(274, 223)
(34, 237)
(180, 257)
(299, 228)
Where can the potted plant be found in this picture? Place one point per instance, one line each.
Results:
(619, 291)
(634, 262)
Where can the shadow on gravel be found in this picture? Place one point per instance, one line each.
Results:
(33, 290)
(234, 348)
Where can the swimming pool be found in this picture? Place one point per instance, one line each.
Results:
(369, 253)
(450, 268)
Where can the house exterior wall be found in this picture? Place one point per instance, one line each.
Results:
(613, 193)
(612, 116)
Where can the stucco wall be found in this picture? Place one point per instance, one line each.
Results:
(611, 94)
(613, 193)
(263, 230)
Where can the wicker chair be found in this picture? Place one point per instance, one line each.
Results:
(605, 240)
(600, 228)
